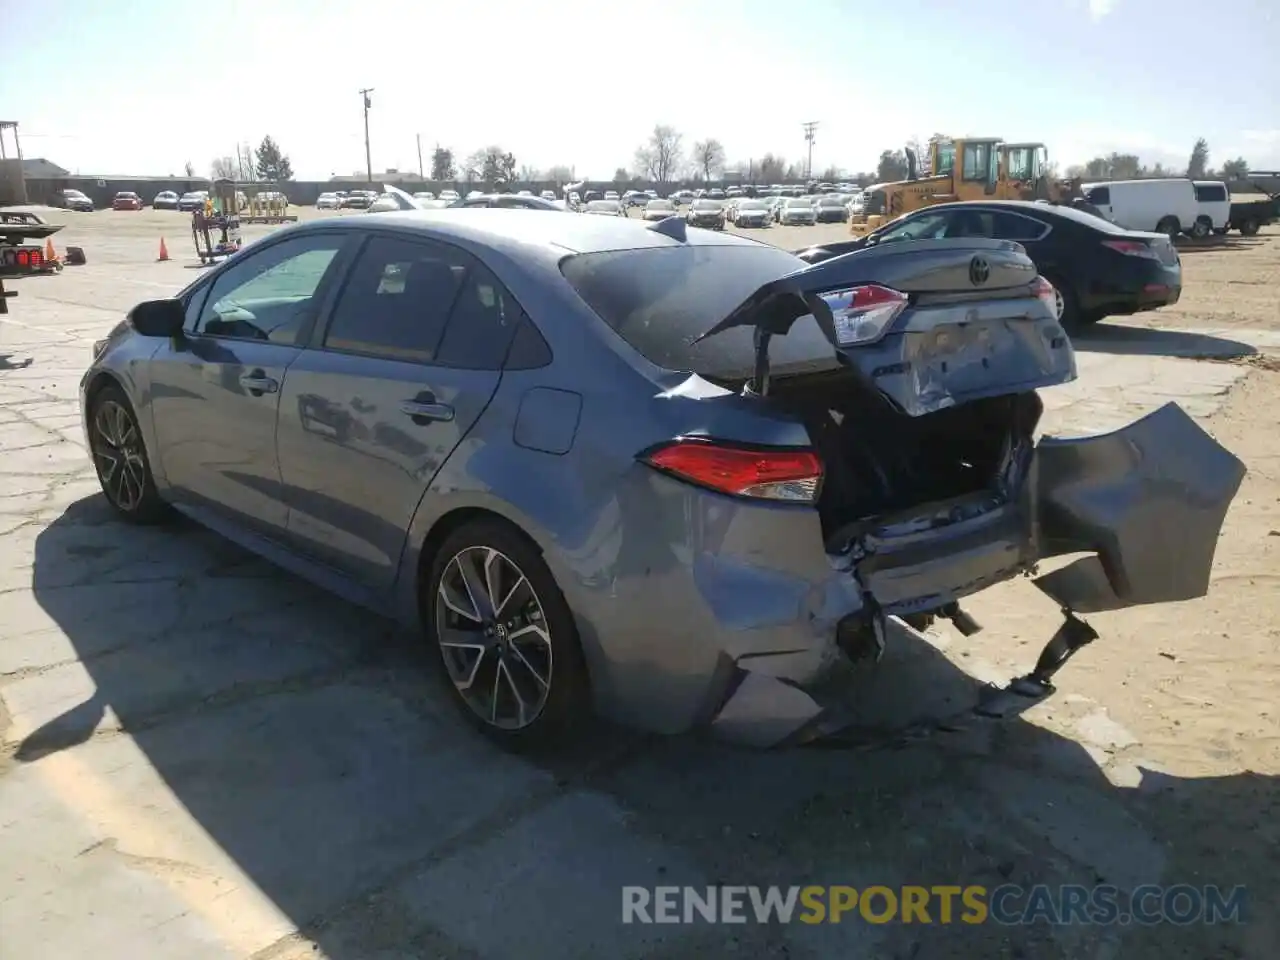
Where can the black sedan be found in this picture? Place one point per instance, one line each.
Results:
(1097, 268)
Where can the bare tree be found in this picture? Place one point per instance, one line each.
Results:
(473, 166)
(771, 168)
(659, 158)
(560, 174)
(708, 158)
(224, 168)
(189, 169)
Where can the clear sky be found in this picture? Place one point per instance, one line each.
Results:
(145, 86)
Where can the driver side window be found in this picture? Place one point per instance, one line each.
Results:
(268, 294)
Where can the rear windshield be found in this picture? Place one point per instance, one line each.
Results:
(660, 299)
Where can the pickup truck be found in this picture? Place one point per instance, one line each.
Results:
(1248, 216)
(21, 252)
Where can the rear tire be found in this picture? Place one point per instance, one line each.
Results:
(1170, 227)
(1071, 318)
(1201, 228)
(1249, 228)
(524, 659)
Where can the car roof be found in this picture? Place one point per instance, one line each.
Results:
(516, 231)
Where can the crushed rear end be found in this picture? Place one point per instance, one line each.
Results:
(924, 467)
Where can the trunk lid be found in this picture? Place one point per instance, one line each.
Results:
(970, 321)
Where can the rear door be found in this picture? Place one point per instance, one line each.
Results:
(394, 378)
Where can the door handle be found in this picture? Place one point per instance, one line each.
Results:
(258, 383)
(424, 408)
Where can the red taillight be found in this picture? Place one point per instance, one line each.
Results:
(24, 257)
(771, 474)
(1045, 293)
(1132, 248)
(863, 314)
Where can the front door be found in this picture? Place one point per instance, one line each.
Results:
(215, 392)
(396, 376)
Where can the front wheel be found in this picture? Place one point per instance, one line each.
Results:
(506, 637)
(120, 459)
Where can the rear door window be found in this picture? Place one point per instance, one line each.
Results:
(396, 301)
(425, 302)
(1013, 226)
(1211, 193)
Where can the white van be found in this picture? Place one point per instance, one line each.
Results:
(1215, 207)
(1161, 206)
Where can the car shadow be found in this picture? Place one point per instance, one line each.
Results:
(314, 745)
(1188, 245)
(1121, 338)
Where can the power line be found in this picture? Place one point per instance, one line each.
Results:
(368, 157)
(809, 127)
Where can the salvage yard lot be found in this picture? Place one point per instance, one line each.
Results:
(203, 757)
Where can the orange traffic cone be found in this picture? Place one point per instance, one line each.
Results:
(50, 254)
(164, 252)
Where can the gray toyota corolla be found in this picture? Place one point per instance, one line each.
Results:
(663, 473)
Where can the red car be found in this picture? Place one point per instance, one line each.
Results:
(126, 201)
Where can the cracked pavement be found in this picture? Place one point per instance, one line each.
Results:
(204, 757)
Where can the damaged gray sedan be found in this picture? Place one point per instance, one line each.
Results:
(667, 475)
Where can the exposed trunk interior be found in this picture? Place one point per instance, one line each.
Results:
(879, 460)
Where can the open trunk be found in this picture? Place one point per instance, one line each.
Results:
(934, 487)
(879, 461)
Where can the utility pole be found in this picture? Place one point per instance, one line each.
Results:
(809, 127)
(421, 173)
(368, 157)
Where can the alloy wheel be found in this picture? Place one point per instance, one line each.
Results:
(1059, 305)
(494, 638)
(118, 455)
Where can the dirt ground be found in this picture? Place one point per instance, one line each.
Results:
(202, 757)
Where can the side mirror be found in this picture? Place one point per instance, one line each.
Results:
(158, 318)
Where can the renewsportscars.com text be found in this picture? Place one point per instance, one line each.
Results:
(1008, 904)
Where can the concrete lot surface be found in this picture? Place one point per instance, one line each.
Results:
(203, 757)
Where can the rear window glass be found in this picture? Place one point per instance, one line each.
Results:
(1211, 193)
(659, 300)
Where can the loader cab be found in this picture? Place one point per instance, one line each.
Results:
(976, 159)
(979, 167)
(1024, 161)
(942, 158)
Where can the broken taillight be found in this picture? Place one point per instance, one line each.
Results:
(863, 314)
(761, 472)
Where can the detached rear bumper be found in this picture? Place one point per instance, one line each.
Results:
(1146, 502)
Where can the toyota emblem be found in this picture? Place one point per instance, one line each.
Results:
(979, 271)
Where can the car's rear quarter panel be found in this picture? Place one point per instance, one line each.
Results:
(669, 583)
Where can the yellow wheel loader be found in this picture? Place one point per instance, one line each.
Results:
(972, 168)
